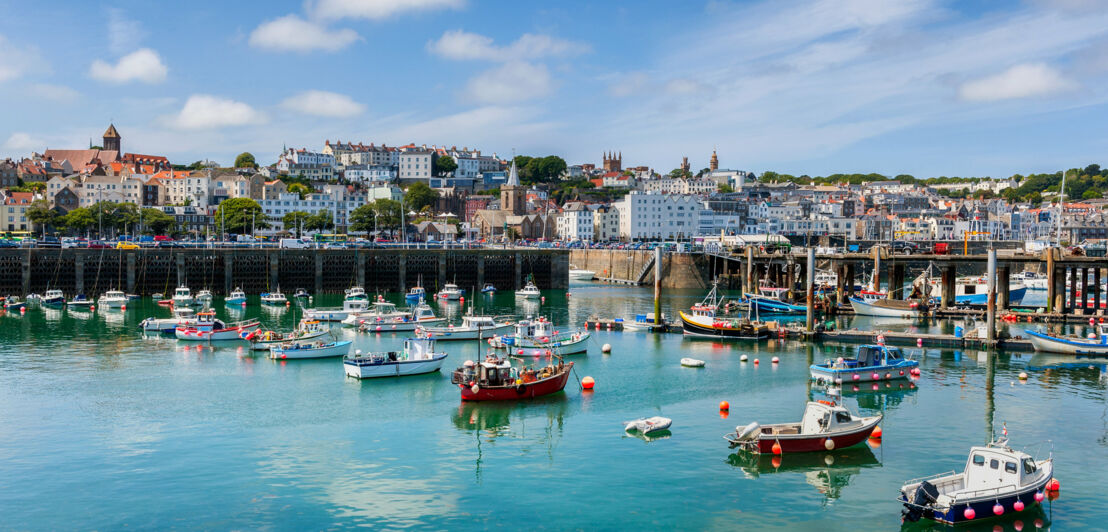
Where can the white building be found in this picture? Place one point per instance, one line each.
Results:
(361, 173)
(332, 201)
(390, 192)
(575, 222)
(415, 165)
(605, 223)
(191, 189)
(312, 165)
(653, 216)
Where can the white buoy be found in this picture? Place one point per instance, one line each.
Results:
(1023, 376)
(606, 348)
(775, 360)
(743, 358)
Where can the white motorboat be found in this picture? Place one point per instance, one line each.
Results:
(530, 291)
(204, 297)
(539, 338)
(337, 314)
(356, 292)
(888, 308)
(1031, 280)
(182, 317)
(380, 311)
(648, 425)
(306, 330)
(472, 328)
(52, 298)
(237, 298)
(384, 321)
(996, 480)
(450, 292)
(113, 299)
(1096, 344)
(297, 350)
(581, 275)
(79, 302)
(182, 297)
(274, 298)
(417, 358)
(208, 329)
(975, 290)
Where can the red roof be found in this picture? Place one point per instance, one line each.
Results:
(18, 198)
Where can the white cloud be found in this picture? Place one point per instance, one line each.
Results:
(508, 83)
(463, 45)
(141, 65)
(203, 111)
(57, 93)
(323, 103)
(377, 9)
(291, 33)
(628, 84)
(15, 61)
(684, 86)
(20, 142)
(1020, 81)
(123, 33)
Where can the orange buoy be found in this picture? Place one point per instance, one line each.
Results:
(1053, 485)
(776, 448)
(755, 362)
(587, 383)
(776, 462)
(724, 405)
(876, 434)
(723, 414)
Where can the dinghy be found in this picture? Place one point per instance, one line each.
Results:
(647, 425)
(295, 350)
(692, 363)
(1071, 345)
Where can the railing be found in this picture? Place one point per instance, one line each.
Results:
(645, 269)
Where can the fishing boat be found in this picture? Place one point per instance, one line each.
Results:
(386, 320)
(1031, 280)
(1097, 344)
(209, 329)
(302, 296)
(702, 320)
(53, 298)
(975, 290)
(13, 304)
(576, 274)
(494, 379)
(157, 295)
(538, 337)
(381, 310)
(182, 317)
(306, 330)
(417, 358)
(472, 328)
(335, 313)
(824, 426)
(237, 297)
(889, 308)
(450, 292)
(773, 305)
(275, 298)
(529, 291)
(356, 292)
(488, 289)
(642, 322)
(113, 299)
(873, 363)
(417, 293)
(203, 297)
(182, 297)
(648, 425)
(997, 480)
(296, 350)
(79, 302)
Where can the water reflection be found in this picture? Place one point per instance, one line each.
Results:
(1035, 518)
(877, 396)
(491, 421)
(828, 472)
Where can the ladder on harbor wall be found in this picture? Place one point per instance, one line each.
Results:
(645, 271)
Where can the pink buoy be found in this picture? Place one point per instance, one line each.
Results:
(901, 373)
(520, 352)
(124, 307)
(876, 376)
(919, 342)
(969, 514)
(998, 509)
(1018, 506)
(857, 377)
(888, 375)
(1039, 496)
(755, 362)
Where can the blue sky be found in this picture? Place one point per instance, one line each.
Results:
(926, 87)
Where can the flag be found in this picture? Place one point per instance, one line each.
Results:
(1005, 430)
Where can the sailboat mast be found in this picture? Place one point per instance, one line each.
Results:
(1061, 206)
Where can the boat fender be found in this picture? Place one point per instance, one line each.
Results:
(748, 431)
(520, 389)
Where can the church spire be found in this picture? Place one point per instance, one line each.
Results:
(513, 175)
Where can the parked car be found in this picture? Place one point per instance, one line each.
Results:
(98, 244)
(123, 244)
(8, 244)
(162, 238)
(904, 246)
(50, 242)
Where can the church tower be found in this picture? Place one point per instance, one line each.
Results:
(513, 197)
(613, 162)
(685, 164)
(112, 139)
(713, 164)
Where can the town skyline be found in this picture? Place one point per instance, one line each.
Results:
(847, 87)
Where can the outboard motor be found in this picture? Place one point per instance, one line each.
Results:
(925, 495)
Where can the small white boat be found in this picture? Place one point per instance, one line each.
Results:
(79, 302)
(530, 291)
(450, 292)
(647, 425)
(52, 298)
(417, 358)
(539, 338)
(381, 311)
(356, 292)
(113, 299)
(302, 296)
(204, 297)
(581, 275)
(237, 297)
(209, 329)
(296, 350)
(307, 330)
(337, 314)
(1096, 345)
(274, 298)
(182, 297)
(472, 328)
(692, 363)
(182, 317)
(385, 321)
(888, 308)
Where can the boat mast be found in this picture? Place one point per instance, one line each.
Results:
(1061, 206)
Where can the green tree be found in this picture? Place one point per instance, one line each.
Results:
(420, 195)
(245, 160)
(679, 173)
(445, 165)
(386, 211)
(320, 221)
(296, 221)
(157, 222)
(300, 188)
(540, 169)
(1091, 194)
(78, 220)
(238, 215)
(40, 214)
(724, 188)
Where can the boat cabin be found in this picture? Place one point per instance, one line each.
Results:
(994, 466)
(819, 417)
(384, 308)
(419, 348)
(478, 322)
(539, 328)
(356, 305)
(115, 294)
(871, 356)
(355, 292)
(423, 311)
(182, 293)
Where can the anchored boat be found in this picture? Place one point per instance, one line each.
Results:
(1070, 345)
(450, 292)
(539, 338)
(182, 297)
(274, 298)
(207, 328)
(79, 302)
(995, 481)
(888, 308)
(52, 298)
(702, 321)
(182, 317)
(297, 350)
(494, 379)
(237, 297)
(530, 291)
(113, 299)
(417, 358)
(824, 426)
(472, 328)
(873, 363)
(349, 305)
(204, 297)
(307, 330)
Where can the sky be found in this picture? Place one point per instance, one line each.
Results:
(923, 87)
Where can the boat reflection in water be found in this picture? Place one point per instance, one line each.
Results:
(518, 422)
(1034, 518)
(828, 472)
(876, 396)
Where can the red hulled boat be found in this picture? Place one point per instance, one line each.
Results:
(494, 379)
(825, 426)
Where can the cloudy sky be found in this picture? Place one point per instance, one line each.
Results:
(927, 87)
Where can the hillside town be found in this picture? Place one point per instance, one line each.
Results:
(448, 193)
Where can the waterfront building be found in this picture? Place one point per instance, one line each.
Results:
(15, 211)
(653, 216)
(186, 188)
(575, 222)
(367, 174)
(416, 165)
(9, 173)
(605, 224)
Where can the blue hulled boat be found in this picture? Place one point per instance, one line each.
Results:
(770, 305)
(873, 363)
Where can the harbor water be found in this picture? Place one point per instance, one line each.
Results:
(105, 428)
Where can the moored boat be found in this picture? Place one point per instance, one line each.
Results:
(824, 426)
(450, 292)
(13, 304)
(494, 379)
(113, 299)
(237, 297)
(182, 317)
(275, 298)
(873, 363)
(648, 425)
(182, 297)
(703, 321)
(203, 297)
(53, 298)
(209, 329)
(529, 291)
(1070, 345)
(888, 308)
(997, 480)
(302, 296)
(472, 328)
(577, 274)
(297, 350)
(772, 305)
(79, 302)
(306, 330)
(418, 357)
(488, 289)
(356, 292)
(350, 305)
(538, 337)
(416, 293)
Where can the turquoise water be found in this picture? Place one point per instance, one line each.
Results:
(105, 429)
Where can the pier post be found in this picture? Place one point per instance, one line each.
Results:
(658, 285)
(180, 268)
(1096, 291)
(359, 259)
(991, 308)
(442, 269)
(1071, 274)
(790, 274)
(130, 273)
(748, 283)
(480, 273)
(851, 280)
(840, 278)
(519, 271)
(1051, 283)
(877, 269)
(896, 281)
(1084, 304)
(228, 272)
(402, 271)
(1002, 297)
(79, 273)
(318, 271)
(810, 276)
(27, 272)
(275, 271)
(949, 278)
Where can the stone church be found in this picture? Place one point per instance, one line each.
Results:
(513, 216)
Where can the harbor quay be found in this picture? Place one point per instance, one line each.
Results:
(150, 271)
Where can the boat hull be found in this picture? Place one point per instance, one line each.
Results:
(823, 374)
(1054, 344)
(112, 303)
(399, 368)
(337, 350)
(862, 308)
(456, 333)
(326, 314)
(265, 345)
(765, 305)
(1014, 297)
(983, 506)
(531, 348)
(547, 386)
(807, 443)
(693, 328)
(218, 335)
